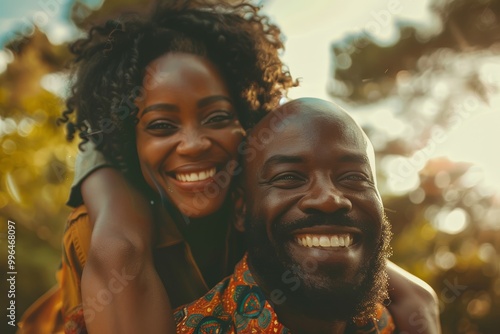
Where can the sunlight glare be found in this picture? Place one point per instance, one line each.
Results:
(474, 141)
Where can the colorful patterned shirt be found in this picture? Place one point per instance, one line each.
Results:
(238, 305)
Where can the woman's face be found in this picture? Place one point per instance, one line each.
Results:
(187, 133)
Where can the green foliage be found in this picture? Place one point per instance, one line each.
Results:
(35, 168)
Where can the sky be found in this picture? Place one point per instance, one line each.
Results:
(51, 16)
(309, 28)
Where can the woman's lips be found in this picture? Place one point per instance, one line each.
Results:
(195, 176)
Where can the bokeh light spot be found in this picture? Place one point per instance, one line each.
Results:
(417, 196)
(25, 127)
(442, 179)
(480, 306)
(444, 258)
(343, 61)
(472, 177)
(9, 146)
(451, 222)
(487, 252)
(7, 126)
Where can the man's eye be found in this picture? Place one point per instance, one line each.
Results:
(357, 179)
(287, 180)
(286, 177)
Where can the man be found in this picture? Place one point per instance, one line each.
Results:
(318, 239)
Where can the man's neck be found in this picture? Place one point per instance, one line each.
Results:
(295, 319)
(297, 322)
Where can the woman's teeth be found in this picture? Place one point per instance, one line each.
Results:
(336, 240)
(193, 177)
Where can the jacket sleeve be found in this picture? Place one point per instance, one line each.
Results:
(60, 308)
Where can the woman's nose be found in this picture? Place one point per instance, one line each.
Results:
(193, 142)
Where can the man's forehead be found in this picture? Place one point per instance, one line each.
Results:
(309, 120)
(306, 118)
(304, 111)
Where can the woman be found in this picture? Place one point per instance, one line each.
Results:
(167, 101)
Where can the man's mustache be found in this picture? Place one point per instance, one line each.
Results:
(284, 229)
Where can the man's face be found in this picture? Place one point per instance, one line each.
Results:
(315, 220)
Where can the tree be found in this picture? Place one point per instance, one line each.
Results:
(35, 163)
(447, 225)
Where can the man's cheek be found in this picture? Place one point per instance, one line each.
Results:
(283, 205)
(272, 206)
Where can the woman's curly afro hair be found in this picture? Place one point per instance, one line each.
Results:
(112, 60)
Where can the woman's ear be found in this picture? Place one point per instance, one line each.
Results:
(240, 210)
(239, 222)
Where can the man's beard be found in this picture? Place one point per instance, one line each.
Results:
(320, 293)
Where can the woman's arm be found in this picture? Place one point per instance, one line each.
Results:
(121, 290)
(414, 304)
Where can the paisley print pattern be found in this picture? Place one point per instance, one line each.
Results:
(238, 305)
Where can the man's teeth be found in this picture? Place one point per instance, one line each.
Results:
(193, 177)
(336, 240)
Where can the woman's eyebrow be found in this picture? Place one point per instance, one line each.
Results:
(211, 99)
(160, 107)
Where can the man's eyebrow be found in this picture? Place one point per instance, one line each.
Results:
(353, 157)
(160, 107)
(281, 159)
(212, 99)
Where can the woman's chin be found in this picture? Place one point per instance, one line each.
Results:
(200, 209)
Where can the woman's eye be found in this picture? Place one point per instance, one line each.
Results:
(161, 125)
(219, 117)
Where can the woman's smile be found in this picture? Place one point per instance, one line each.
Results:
(195, 176)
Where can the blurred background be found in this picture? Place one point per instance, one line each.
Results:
(421, 77)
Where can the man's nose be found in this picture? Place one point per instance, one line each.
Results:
(324, 197)
(193, 142)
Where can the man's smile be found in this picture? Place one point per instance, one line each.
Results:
(327, 236)
(321, 240)
(327, 244)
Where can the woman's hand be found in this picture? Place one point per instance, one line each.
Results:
(414, 304)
